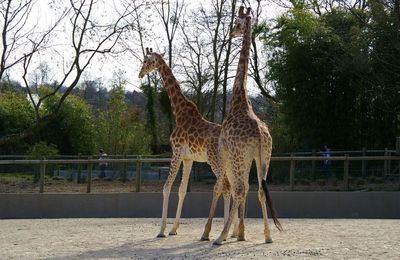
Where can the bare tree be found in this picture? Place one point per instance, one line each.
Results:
(227, 61)
(19, 38)
(171, 14)
(255, 65)
(140, 14)
(89, 39)
(216, 22)
(193, 56)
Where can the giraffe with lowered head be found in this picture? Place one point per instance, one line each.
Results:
(245, 138)
(193, 139)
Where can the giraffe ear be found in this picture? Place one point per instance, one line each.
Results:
(248, 12)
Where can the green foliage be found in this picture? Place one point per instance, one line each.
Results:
(384, 82)
(73, 129)
(151, 115)
(42, 149)
(119, 128)
(166, 108)
(16, 114)
(329, 72)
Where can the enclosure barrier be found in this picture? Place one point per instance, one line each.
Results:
(139, 161)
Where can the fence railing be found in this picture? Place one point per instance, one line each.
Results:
(139, 161)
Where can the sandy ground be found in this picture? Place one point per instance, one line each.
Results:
(135, 239)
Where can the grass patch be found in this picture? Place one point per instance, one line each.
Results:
(9, 177)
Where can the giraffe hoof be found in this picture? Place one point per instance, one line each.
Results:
(204, 239)
(234, 236)
(160, 235)
(217, 243)
(268, 240)
(241, 239)
(173, 233)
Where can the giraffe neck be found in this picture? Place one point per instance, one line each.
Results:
(240, 100)
(180, 105)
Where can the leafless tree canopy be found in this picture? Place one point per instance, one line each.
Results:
(89, 37)
(83, 33)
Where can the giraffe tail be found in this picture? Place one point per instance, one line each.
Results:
(274, 213)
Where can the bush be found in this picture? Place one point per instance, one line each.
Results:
(42, 149)
(16, 114)
(321, 182)
(58, 178)
(359, 181)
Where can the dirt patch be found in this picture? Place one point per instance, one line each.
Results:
(136, 239)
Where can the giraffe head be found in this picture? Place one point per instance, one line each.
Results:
(150, 62)
(240, 23)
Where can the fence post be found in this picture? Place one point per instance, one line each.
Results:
(124, 174)
(363, 162)
(398, 145)
(138, 173)
(346, 173)
(385, 164)
(42, 174)
(292, 170)
(89, 176)
(313, 165)
(398, 154)
(78, 177)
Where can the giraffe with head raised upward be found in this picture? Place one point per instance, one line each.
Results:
(193, 139)
(245, 138)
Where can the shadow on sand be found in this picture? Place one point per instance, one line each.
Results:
(155, 248)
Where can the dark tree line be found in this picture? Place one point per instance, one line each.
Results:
(337, 74)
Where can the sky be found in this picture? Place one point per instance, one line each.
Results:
(103, 69)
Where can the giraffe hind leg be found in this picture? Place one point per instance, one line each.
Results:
(216, 195)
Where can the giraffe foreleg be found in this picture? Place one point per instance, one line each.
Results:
(175, 163)
(187, 166)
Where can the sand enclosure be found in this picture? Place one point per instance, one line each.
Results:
(134, 238)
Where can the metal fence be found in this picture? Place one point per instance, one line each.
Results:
(293, 168)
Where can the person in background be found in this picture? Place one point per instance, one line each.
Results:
(327, 163)
(103, 165)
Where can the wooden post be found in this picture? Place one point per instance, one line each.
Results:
(389, 163)
(313, 165)
(89, 177)
(346, 173)
(385, 164)
(42, 174)
(292, 170)
(398, 145)
(124, 171)
(398, 154)
(79, 175)
(364, 163)
(138, 174)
